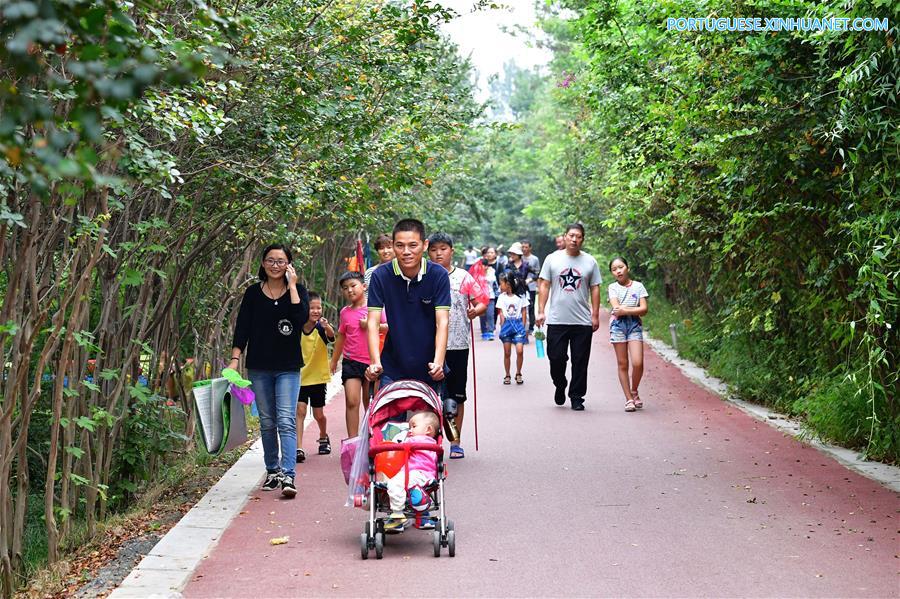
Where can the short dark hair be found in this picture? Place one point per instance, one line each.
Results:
(624, 261)
(382, 240)
(351, 275)
(272, 246)
(313, 295)
(524, 241)
(578, 226)
(440, 237)
(409, 224)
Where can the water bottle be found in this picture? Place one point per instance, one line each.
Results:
(539, 336)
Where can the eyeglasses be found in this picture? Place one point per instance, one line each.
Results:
(273, 262)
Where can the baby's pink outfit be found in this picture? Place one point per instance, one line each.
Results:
(422, 466)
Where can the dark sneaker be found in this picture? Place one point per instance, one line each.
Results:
(273, 481)
(301, 456)
(560, 397)
(578, 405)
(324, 445)
(287, 486)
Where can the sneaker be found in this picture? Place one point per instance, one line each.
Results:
(424, 521)
(560, 396)
(324, 445)
(301, 456)
(396, 523)
(578, 405)
(287, 487)
(273, 481)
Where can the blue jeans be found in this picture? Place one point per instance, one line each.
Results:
(276, 399)
(487, 319)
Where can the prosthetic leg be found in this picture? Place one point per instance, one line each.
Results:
(450, 411)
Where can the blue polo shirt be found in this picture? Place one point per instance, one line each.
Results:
(409, 306)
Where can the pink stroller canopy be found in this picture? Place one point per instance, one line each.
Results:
(399, 397)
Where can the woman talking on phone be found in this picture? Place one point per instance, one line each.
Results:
(268, 328)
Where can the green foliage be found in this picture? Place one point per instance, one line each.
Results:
(147, 152)
(150, 433)
(754, 175)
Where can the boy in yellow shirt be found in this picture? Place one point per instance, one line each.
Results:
(317, 333)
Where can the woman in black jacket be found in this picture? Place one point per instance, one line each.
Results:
(268, 327)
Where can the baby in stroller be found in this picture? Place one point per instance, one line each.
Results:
(420, 473)
(398, 467)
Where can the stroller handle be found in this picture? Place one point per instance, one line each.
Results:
(406, 447)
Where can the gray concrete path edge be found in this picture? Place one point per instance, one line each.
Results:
(166, 570)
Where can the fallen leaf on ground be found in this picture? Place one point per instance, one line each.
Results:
(279, 540)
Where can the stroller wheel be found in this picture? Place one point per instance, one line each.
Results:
(437, 543)
(379, 545)
(451, 543)
(364, 545)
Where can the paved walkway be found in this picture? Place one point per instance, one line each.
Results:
(691, 497)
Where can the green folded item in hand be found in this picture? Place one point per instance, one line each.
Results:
(233, 377)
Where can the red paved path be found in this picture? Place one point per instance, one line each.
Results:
(690, 497)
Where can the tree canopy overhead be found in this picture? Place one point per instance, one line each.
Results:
(149, 150)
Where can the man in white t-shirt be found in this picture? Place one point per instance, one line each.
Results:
(471, 256)
(569, 279)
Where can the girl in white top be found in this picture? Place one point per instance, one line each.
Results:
(626, 331)
(513, 306)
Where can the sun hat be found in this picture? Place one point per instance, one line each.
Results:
(515, 248)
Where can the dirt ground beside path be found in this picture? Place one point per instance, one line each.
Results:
(96, 568)
(690, 497)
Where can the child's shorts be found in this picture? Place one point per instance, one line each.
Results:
(457, 360)
(313, 395)
(513, 331)
(625, 328)
(351, 369)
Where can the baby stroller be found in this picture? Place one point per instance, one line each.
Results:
(393, 403)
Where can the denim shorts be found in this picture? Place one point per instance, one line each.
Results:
(625, 328)
(513, 331)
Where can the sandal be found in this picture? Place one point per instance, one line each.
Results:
(456, 452)
(519, 380)
(324, 445)
(507, 380)
(629, 405)
(638, 403)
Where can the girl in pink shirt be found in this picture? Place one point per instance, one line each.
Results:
(352, 345)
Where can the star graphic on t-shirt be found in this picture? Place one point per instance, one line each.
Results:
(570, 279)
